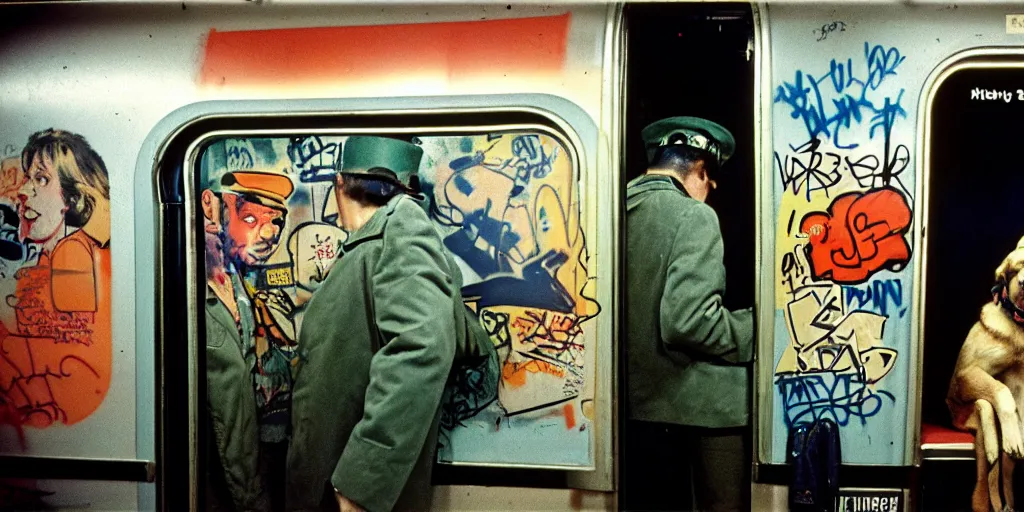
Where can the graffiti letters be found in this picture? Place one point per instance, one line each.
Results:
(314, 160)
(828, 28)
(878, 295)
(828, 336)
(868, 173)
(531, 158)
(845, 95)
(549, 335)
(313, 248)
(536, 287)
(833, 356)
(239, 157)
(812, 167)
(860, 234)
(471, 389)
(844, 222)
(505, 202)
(796, 273)
(804, 169)
(842, 398)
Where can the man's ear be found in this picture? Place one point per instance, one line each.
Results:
(209, 205)
(701, 173)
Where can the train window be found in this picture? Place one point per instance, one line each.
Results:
(505, 200)
(970, 230)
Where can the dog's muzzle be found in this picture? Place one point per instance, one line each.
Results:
(1001, 297)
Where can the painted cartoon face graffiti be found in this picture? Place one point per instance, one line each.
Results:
(254, 230)
(55, 335)
(249, 208)
(42, 205)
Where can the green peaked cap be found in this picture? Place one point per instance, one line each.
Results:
(691, 131)
(391, 160)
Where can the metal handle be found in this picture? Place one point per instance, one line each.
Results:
(59, 468)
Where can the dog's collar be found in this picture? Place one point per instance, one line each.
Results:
(1001, 297)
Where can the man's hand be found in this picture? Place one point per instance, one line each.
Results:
(347, 505)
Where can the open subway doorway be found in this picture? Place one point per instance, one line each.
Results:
(691, 60)
(697, 60)
(974, 222)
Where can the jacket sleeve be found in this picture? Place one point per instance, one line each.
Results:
(413, 312)
(692, 315)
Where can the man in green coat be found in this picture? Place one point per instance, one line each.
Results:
(378, 341)
(233, 475)
(688, 381)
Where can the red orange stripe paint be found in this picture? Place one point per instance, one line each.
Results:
(379, 52)
(570, 416)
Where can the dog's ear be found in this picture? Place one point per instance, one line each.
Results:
(1012, 263)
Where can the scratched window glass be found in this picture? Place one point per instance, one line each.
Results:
(975, 219)
(505, 205)
(844, 198)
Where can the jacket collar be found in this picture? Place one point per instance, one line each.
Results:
(211, 296)
(220, 311)
(374, 228)
(643, 184)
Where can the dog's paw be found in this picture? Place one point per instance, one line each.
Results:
(992, 453)
(1012, 443)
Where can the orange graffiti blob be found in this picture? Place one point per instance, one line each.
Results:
(11, 178)
(860, 234)
(57, 367)
(514, 374)
(570, 416)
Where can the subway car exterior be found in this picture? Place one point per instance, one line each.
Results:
(888, 125)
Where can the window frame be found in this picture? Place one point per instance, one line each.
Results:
(177, 183)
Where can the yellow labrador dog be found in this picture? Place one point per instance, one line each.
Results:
(986, 393)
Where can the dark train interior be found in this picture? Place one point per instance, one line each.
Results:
(974, 222)
(695, 60)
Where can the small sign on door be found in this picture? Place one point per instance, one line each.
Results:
(1015, 23)
(870, 500)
